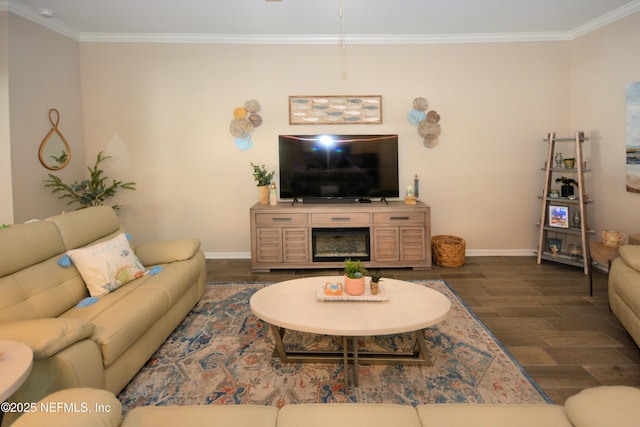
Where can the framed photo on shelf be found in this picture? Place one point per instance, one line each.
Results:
(559, 216)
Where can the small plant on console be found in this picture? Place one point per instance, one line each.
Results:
(261, 175)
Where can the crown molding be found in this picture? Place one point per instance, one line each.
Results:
(311, 39)
(33, 16)
(209, 38)
(306, 39)
(606, 19)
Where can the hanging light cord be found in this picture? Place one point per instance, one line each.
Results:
(344, 42)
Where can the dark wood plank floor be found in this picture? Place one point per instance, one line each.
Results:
(543, 314)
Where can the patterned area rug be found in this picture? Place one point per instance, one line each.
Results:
(222, 354)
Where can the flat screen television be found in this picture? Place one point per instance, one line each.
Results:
(338, 168)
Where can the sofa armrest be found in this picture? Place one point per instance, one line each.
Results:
(167, 251)
(74, 407)
(46, 337)
(604, 406)
(631, 255)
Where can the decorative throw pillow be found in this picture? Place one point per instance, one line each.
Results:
(106, 266)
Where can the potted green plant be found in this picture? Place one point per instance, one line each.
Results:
(89, 192)
(354, 272)
(566, 189)
(263, 179)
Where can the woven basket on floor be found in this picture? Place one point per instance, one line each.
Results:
(448, 251)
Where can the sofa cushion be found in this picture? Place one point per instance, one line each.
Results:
(108, 265)
(42, 290)
(27, 244)
(348, 415)
(605, 406)
(167, 251)
(119, 322)
(87, 226)
(203, 415)
(175, 279)
(46, 337)
(631, 255)
(492, 415)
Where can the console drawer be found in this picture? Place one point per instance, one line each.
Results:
(280, 220)
(340, 219)
(398, 218)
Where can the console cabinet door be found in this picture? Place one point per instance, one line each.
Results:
(269, 245)
(412, 244)
(281, 238)
(386, 244)
(403, 244)
(295, 245)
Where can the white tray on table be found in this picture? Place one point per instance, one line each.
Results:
(382, 295)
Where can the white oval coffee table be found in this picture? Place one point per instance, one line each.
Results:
(294, 305)
(16, 360)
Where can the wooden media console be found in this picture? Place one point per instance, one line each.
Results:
(286, 236)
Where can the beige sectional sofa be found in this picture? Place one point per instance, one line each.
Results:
(103, 344)
(624, 289)
(617, 406)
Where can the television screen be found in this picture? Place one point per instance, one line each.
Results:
(338, 167)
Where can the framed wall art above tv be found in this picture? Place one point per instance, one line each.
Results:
(335, 109)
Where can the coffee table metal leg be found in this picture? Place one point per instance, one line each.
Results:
(345, 355)
(354, 343)
(419, 355)
(277, 338)
(422, 345)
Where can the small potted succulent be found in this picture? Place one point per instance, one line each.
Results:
(566, 189)
(354, 272)
(375, 282)
(263, 179)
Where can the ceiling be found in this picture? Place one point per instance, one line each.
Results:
(319, 21)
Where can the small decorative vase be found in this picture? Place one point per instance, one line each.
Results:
(576, 219)
(558, 159)
(354, 287)
(263, 190)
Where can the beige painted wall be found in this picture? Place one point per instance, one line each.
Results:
(6, 194)
(163, 110)
(602, 64)
(167, 107)
(44, 73)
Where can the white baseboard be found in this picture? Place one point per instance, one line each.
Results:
(469, 253)
(227, 255)
(500, 252)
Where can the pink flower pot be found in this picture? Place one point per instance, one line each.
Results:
(354, 287)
